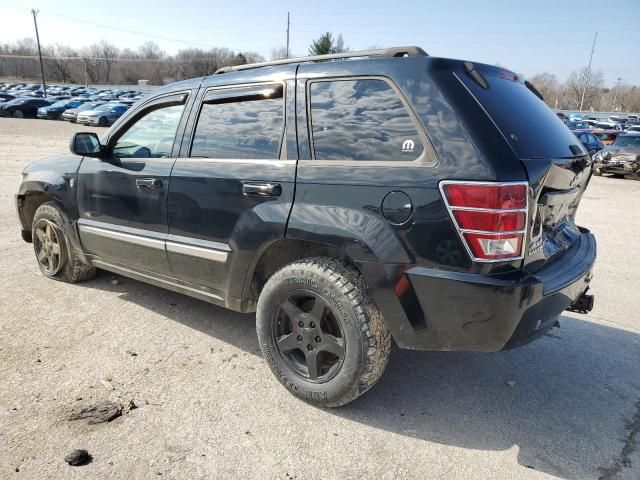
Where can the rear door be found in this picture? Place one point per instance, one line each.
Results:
(232, 187)
(122, 198)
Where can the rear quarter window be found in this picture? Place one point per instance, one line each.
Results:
(532, 129)
(362, 119)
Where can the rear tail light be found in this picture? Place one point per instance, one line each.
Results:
(491, 218)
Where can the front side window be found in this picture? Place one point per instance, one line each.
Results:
(240, 125)
(361, 120)
(151, 136)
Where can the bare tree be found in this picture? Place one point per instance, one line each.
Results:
(151, 50)
(61, 60)
(278, 53)
(548, 86)
(590, 82)
(109, 53)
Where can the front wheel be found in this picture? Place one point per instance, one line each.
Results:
(103, 122)
(18, 114)
(321, 333)
(54, 254)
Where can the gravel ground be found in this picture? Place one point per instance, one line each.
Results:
(208, 406)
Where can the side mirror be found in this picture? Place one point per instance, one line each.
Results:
(86, 144)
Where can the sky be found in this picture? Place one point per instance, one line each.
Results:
(527, 37)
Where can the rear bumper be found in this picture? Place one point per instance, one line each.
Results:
(443, 310)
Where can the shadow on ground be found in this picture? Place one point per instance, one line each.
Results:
(569, 411)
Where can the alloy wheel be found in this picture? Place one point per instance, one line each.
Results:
(309, 336)
(47, 245)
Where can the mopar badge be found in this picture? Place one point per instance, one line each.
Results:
(408, 145)
(536, 247)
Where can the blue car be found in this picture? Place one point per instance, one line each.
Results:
(56, 110)
(589, 140)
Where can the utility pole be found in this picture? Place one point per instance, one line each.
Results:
(35, 22)
(588, 75)
(288, 24)
(615, 97)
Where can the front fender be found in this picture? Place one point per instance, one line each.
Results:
(50, 179)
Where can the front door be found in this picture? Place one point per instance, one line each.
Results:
(122, 197)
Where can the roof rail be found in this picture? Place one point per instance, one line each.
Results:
(386, 52)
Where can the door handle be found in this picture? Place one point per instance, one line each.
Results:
(261, 189)
(153, 183)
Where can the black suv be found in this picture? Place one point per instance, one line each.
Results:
(347, 199)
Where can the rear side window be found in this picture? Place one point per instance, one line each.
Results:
(240, 125)
(361, 120)
(532, 129)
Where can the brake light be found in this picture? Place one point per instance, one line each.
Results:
(490, 217)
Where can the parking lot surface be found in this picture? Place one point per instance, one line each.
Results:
(567, 405)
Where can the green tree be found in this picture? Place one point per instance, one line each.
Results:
(325, 44)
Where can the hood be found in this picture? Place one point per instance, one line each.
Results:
(612, 153)
(613, 150)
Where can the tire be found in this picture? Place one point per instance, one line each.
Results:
(52, 248)
(349, 336)
(18, 114)
(103, 122)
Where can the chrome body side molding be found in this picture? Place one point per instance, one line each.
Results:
(208, 250)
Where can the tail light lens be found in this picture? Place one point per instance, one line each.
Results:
(490, 217)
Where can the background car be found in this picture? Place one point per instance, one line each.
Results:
(608, 126)
(607, 137)
(577, 124)
(5, 97)
(71, 114)
(620, 158)
(55, 110)
(590, 141)
(102, 116)
(23, 107)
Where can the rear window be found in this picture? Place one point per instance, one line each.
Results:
(532, 129)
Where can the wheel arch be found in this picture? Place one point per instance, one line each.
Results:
(30, 201)
(281, 252)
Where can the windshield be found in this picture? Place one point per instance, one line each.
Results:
(628, 141)
(61, 103)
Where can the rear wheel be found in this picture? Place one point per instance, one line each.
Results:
(18, 114)
(52, 248)
(319, 330)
